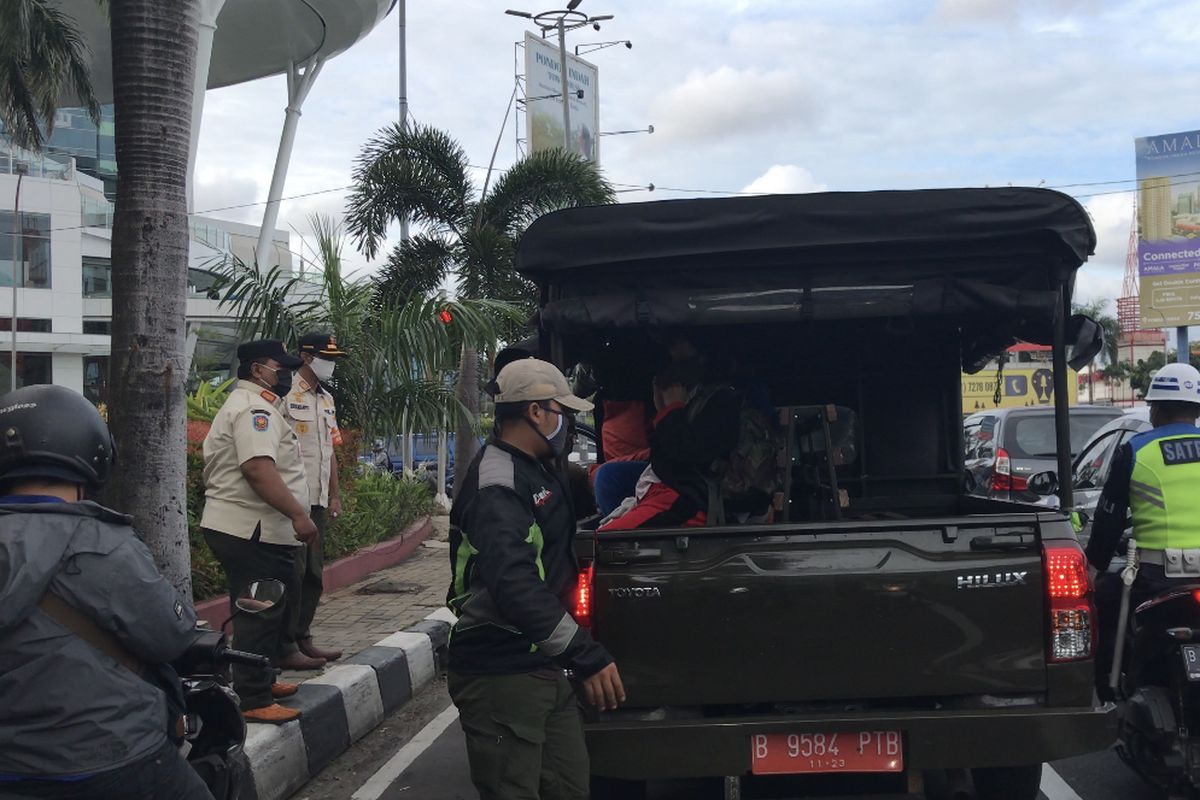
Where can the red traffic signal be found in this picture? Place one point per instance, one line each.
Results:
(445, 316)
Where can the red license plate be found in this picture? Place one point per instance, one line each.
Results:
(791, 753)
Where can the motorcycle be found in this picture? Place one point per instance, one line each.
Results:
(1158, 689)
(213, 731)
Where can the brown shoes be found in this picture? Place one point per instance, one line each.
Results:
(280, 690)
(300, 662)
(309, 649)
(273, 714)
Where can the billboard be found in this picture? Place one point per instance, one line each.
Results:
(1028, 380)
(1168, 205)
(543, 99)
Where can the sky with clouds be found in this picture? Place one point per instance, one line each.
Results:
(761, 96)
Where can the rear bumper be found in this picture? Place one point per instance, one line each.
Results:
(643, 749)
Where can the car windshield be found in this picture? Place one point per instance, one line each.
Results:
(1033, 437)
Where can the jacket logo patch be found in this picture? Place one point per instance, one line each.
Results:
(542, 497)
(1180, 451)
(261, 422)
(993, 581)
(179, 610)
(301, 428)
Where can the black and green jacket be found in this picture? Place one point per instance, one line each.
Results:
(513, 570)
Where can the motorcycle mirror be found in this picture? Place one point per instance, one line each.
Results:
(1085, 340)
(259, 596)
(1044, 483)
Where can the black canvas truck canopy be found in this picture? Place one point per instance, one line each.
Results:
(995, 259)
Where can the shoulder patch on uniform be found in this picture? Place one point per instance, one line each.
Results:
(270, 397)
(261, 422)
(496, 468)
(1180, 451)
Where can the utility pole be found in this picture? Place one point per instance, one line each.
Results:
(402, 13)
(562, 72)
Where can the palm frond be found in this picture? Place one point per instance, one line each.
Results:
(41, 53)
(418, 266)
(418, 173)
(267, 305)
(545, 181)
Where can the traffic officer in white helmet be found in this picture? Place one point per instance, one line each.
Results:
(1155, 476)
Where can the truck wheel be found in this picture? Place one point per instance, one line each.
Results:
(1007, 783)
(617, 789)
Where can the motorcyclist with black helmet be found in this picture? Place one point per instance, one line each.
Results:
(86, 620)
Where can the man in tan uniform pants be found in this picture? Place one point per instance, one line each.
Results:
(311, 411)
(256, 513)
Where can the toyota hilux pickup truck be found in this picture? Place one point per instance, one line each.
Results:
(878, 628)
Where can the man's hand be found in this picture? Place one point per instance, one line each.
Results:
(335, 507)
(306, 529)
(604, 690)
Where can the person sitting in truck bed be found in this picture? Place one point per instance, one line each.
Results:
(696, 426)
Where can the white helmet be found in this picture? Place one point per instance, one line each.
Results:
(1178, 383)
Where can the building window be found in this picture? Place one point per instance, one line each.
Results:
(95, 379)
(34, 270)
(32, 368)
(97, 277)
(97, 327)
(25, 325)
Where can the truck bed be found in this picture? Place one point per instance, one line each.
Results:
(920, 610)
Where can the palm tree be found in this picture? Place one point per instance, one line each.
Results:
(398, 354)
(42, 54)
(1098, 310)
(154, 48)
(422, 174)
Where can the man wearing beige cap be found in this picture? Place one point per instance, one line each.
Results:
(513, 569)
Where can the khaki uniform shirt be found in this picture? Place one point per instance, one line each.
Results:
(313, 417)
(249, 425)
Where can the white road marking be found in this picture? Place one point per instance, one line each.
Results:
(1054, 787)
(378, 783)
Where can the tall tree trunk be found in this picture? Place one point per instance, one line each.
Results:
(467, 392)
(154, 53)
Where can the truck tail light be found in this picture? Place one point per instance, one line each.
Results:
(583, 598)
(1002, 478)
(1072, 623)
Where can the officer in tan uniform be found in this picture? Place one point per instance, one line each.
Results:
(311, 411)
(256, 515)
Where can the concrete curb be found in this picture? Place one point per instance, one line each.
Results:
(344, 704)
(343, 572)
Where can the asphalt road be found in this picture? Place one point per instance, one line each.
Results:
(418, 754)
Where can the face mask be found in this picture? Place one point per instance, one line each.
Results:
(322, 368)
(556, 440)
(283, 381)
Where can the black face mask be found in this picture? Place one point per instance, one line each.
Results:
(283, 380)
(557, 440)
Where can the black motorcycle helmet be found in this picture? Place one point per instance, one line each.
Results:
(53, 433)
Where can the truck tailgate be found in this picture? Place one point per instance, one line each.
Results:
(796, 613)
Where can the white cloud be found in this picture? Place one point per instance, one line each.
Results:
(727, 102)
(785, 179)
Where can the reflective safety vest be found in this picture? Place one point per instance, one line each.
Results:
(1164, 489)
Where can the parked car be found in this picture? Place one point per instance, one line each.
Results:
(1008, 446)
(879, 625)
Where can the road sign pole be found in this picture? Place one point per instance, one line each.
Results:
(1182, 354)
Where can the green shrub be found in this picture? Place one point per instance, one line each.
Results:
(377, 508)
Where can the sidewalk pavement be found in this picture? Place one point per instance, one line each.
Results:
(393, 627)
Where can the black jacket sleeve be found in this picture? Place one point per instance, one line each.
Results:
(509, 564)
(1112, 510)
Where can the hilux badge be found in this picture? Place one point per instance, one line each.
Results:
(994, 580)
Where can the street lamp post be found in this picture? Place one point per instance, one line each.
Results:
(20, 168)
(563, 21)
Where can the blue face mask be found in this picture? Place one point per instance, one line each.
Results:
(557, 441)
